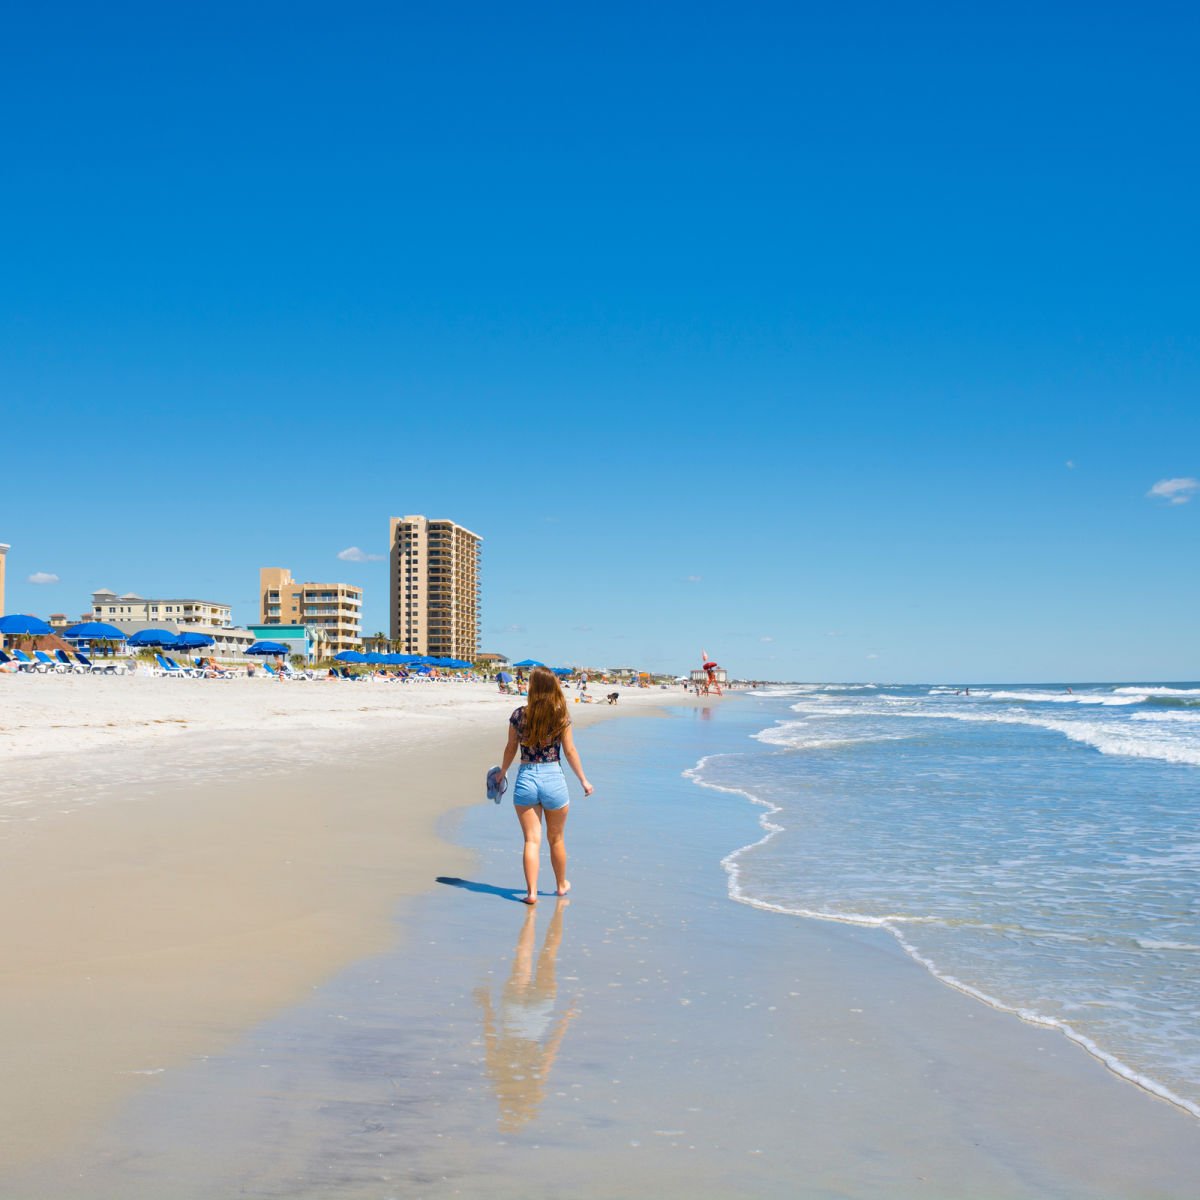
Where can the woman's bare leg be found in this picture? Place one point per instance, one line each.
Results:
(530, 816)
(556, 822)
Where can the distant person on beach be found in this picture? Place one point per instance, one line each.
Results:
(541, 730)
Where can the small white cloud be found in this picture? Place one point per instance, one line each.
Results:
(354, 554)
(514, 629)
(582, 628)
(872, 655)
(1175, 491)
(43, 577)
(1070, 464)
(766, 638)
(694, 578)
(834, 633)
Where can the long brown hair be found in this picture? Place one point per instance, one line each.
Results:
(546, 715)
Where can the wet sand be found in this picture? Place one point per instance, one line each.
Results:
(649, 1037)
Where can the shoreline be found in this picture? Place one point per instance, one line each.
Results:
(729, 863)
(672, 1041)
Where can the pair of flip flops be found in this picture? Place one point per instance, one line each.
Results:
(497, 784)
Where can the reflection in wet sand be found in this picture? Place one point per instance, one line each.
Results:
(521, 1040)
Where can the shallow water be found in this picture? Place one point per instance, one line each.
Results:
(1035, 846)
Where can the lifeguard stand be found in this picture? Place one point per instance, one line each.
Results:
(710, 679)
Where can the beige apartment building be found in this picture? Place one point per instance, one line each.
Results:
(434, 587)
(334, 609)
(132, 608)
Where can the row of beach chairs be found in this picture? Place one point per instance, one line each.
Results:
(62, 663)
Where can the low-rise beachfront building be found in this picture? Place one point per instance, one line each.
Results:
(108, 606)
(312, 644)
(335, 609)
(434, 572)
(229, 641)
(490, 659)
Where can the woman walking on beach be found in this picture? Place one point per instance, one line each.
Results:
(541, 730)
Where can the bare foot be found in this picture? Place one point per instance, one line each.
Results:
(530, 899)
(565, 888)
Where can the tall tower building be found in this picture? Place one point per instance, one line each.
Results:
(435, 587)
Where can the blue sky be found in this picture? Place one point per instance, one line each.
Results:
(843, 342)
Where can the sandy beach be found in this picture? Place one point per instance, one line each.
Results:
(280, 954)
(182, 857)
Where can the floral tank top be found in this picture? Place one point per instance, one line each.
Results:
(533, 754)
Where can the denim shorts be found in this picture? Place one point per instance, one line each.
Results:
(541, 783)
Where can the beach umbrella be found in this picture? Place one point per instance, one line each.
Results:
(348, 656)
(424, 670)
(529, 662)
(504, 677)
(193, 641)
(268, 648)
(89, 631)
(562, 670)
(374, 658)
(23, 625)
(152, 637)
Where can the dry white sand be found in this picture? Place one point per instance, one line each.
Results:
(50, 714)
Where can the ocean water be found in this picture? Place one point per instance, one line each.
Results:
(1037, 847)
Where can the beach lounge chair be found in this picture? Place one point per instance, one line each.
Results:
(28, 664)
(168, 666)
(71, 664)
(49, 663)
(9, 660)
(101, 668)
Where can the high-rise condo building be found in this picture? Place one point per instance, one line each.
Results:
(333, 608)
(4, 549)
(435, 587)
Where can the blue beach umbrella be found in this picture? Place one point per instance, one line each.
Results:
(562, 670)
(23, 625)
(193, 641)
(529, 662)
(268, 648)
(348, 656)
(504, 677)
(88, 631)
(152, 637)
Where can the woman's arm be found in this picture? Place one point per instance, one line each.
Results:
(568, 745)
(510, 751)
